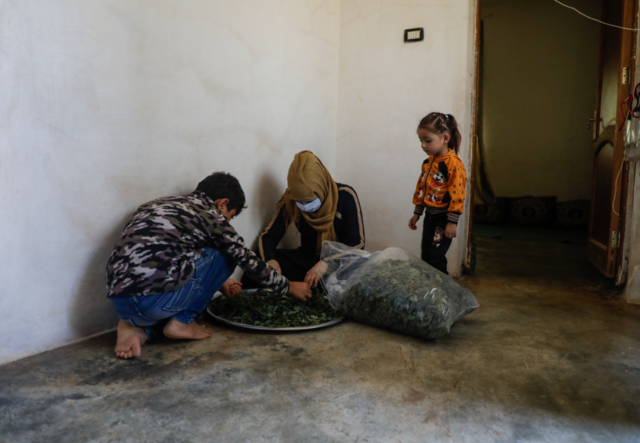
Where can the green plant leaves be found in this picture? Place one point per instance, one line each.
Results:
(274, 310)
(409, 297)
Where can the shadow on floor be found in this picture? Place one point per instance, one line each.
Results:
(571, 236)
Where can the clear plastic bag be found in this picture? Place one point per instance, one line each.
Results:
(632, 140)
(394, 289)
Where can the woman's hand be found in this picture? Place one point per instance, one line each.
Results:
(413, 222)
(315, 274)
(231, 288)
(275, 265)
(451, 231)
(300, 290)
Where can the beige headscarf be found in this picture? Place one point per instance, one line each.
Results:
(308, 179)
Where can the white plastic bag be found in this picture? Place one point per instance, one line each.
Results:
(394, 289)
(632, 140)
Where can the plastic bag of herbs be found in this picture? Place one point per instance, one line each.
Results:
(394, 289)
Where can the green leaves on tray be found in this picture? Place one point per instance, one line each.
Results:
(273, 310)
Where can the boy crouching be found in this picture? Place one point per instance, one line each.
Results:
(174, 255)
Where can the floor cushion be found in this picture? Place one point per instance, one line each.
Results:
(532, 211)
(493, 213)
(573, 214)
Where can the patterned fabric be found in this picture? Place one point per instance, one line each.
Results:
(442, 186)
(573, 214)
(532, 211)
(156, 251)
(491, 213)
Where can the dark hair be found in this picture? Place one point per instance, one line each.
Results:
(224, 185)
(441, 124)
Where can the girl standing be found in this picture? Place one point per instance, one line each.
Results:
(441, 187)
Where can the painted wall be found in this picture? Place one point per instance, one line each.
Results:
(612, 13)
(632, 240)
(632, 231)
(385, 87)
(111, 103)
(540, 72)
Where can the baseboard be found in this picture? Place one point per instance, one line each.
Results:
(73, 342)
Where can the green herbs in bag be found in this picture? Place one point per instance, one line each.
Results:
(394, 289)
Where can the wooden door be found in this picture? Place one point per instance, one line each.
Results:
(608, 188)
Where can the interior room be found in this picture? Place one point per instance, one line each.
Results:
(109, 105)
(538, 86)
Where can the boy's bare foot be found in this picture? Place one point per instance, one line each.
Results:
(192, 331)
(130, 340)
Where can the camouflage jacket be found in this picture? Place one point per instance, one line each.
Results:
(154, 254)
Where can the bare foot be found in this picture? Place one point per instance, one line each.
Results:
(192, 331)
(130, 340)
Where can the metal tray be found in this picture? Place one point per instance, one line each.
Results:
(264, 328)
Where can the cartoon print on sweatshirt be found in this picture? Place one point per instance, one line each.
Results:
(433, 197)
(437, 237)
(443, 187)
(438, 180)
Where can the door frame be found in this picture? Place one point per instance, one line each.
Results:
(625, 183)
(629, 173)
(614, 264)
(468, 258)
(629, 47)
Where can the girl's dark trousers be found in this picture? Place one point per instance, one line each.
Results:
(434, 243)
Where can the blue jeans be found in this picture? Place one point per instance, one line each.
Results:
(150, 312)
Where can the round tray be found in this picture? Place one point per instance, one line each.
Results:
(265, 328)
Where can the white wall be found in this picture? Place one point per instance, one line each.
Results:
(540, 77)
(110, 103)
(385, 87)
(632, 229)
(632, 240)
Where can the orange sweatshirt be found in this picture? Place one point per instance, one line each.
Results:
(441, 187)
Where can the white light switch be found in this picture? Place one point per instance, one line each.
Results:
(414, 35)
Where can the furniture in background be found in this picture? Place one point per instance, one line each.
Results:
(534, 211)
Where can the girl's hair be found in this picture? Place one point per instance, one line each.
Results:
(441, 124)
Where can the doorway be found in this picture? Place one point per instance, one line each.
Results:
(538, 173)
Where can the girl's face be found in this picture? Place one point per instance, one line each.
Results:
(432, 143)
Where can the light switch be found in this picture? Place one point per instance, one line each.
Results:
(414, 35)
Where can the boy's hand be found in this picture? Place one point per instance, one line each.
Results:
(413, 222)
(275, 265)
(300, 290)
(451, 231)
(231, 288)
(315, 274)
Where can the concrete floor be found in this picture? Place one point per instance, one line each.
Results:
(551, 355)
